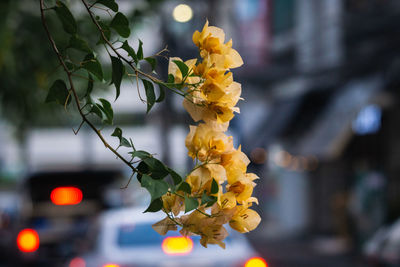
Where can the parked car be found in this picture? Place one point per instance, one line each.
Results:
(383, 249)
(125, 238)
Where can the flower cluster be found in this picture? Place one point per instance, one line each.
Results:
(219, 182)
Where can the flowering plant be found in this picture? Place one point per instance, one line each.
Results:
(218, 190)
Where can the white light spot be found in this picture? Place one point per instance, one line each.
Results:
(182, 13)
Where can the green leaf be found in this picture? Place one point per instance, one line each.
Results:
(209, 200)
(107, 110)
(171, 78)
(121, 25)
(95, 109)
(143, 169)
(77, 43)
(140, 50)
(214, 187)
(122, 140)
(106, 30)
(118, 71)
(161, 97)
(152, 61)
(185, 187)
(157, 169)
(182, 67)
(89, 86)
(140, 154)
(65, 16)
(150, 95)
(109, 3)
(156, 188)
(91, 64)
(191, 203)
(175, 176)
(155, 205)
(58, 93)
(130, 51)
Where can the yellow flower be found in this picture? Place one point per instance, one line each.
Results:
(242, 189)
(245, 220)
(205, 143)
(235, 163)
(213, 234)
(211, 42)
(227, 201)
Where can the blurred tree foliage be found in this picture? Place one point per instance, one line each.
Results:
(28, 67)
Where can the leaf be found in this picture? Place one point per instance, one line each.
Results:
(210, 200)
(161, 97)
(89, 86)
(118, 71)
(58, 93)
(79, 44)
(140, 50)
(106, 30)
(156, 188)
(171, 78)
(121, 25)
(143, 169)
(130, 51)
(107, 110)
(109, 3)
(91, 64)
(150, 95)
(175, 176)
(182, 67)
(214, 187)
(185, 187)
(152, 61)
(140, 154)
(155, 205)
(191, 203)
(157, 169)
(95, 109)
(122, 140)
(65, 16)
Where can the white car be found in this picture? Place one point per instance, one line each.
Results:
(125, 238)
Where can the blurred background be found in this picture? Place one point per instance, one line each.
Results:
(320, 123)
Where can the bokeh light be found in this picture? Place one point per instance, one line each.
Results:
(182, 13)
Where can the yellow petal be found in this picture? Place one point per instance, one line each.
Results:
(228, 201)
(165, 225)
(245, 220)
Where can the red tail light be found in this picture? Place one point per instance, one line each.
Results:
(177, 245)
(66, 196)
(77, 262)
(28, 240)
(256, 262)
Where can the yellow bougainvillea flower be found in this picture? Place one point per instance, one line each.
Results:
(245, 220)
(165, 225)
(211, 42)
(235, 163)
(205, 143)
(213, 234)
(227, 201)
(242, 189)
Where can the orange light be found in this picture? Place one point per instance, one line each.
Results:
(111, 265)
(177, 245)
(28, 240)
(77, 262)
(66, 196)
(256, 262)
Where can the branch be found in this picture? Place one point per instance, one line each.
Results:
(73, 90)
